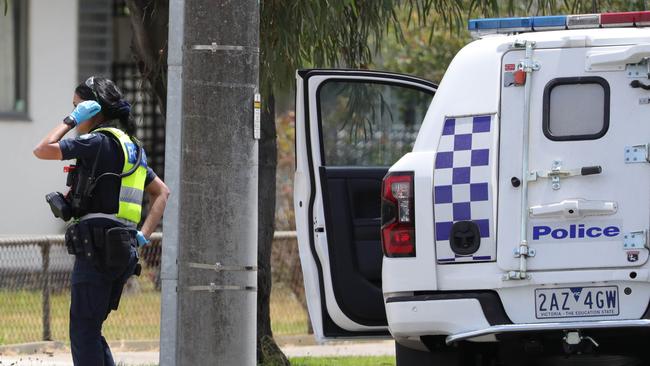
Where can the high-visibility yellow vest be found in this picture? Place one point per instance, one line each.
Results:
(131, 186)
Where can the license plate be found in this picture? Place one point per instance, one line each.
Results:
(576, 302)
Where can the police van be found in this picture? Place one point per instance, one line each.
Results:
(501, 216)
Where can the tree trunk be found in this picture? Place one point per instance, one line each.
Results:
(268, 351)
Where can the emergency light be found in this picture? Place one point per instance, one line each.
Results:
(398, 215)
(480, 27)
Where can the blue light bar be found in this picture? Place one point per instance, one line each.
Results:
(508, 25)
(489, 25)
(500, 25)
(556, 22)
(549, 22)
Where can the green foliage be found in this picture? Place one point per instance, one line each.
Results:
(424, 51)
(369, 124)
(546, 7)
(286, 136)
(350, 33)
(426, 47)
(334, 33)
(294, 35)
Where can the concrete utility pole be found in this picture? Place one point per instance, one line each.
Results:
(209, 295)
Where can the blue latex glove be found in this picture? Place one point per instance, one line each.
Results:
(142, 241)
(84, 111)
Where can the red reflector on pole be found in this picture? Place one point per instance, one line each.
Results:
(639, 18)
(520, 77)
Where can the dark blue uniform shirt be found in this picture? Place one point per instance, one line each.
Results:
(111, 159)
(95, 291)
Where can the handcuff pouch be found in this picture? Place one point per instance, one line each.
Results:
(78, 240)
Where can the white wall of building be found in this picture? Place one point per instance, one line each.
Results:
(52, 77)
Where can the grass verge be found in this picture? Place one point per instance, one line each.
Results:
(138, 316)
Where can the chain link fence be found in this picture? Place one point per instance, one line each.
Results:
(35, 292)
(288, 303)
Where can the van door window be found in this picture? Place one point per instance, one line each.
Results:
(368, 124)
(576, 108)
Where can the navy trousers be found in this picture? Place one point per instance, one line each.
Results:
(93, 294)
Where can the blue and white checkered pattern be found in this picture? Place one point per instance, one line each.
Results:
(462, 185)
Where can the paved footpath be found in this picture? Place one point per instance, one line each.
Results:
(61, 357)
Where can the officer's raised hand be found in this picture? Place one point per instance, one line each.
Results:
(83, 112)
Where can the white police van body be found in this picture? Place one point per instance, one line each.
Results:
(518, 222)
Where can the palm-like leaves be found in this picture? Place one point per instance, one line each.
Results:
(347, 33)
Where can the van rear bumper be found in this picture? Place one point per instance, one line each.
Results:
(422, 314)
(475, 316)
(543, 327)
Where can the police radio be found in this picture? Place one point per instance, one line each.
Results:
(59, 205)
(74, 203)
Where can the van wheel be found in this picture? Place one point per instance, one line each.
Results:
(405, 356)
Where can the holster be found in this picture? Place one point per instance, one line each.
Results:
(117, 254)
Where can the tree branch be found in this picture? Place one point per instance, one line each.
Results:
(149, 21)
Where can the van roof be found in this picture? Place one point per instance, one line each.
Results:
(573, 38)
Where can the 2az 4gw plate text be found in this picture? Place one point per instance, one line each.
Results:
(574, 302)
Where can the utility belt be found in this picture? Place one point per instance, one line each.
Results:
(107, 248)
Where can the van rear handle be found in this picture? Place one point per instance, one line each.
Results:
(638, 84)
(590, 170)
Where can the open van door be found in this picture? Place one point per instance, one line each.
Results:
(351, 126)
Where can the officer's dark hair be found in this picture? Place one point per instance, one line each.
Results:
(109, 97)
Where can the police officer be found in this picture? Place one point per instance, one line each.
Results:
(116, 163)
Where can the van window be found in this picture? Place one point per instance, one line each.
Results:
(576, 108)
(369, 123)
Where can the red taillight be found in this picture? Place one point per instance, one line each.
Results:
(398, 215)
(638, 18)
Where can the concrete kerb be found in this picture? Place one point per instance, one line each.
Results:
(47, 347)
(309, 340)
(134, 346)
(32, 348)
(57, 354)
